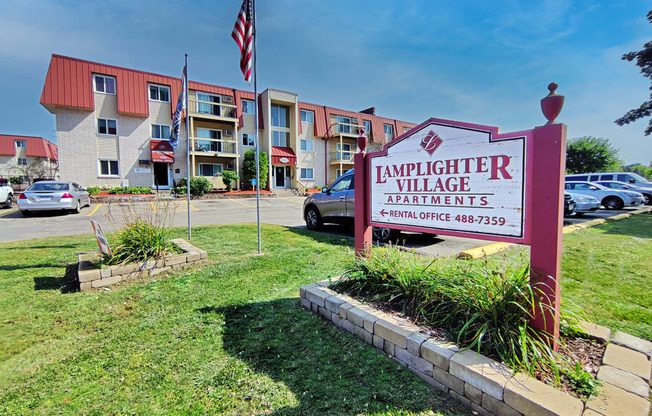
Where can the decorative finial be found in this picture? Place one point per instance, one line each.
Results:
(362, 139)
(552, 104)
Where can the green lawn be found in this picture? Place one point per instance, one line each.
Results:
(607, 270)
(230, 338)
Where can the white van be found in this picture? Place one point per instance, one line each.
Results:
(627, 177)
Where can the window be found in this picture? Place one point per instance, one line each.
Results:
(344, 152)
(606, 178)
(104, 84)
(208, 104)
(160, 131)
(306, 145)
(22, 161)
(367, 126)
(280, 116)
(109, 168)
(159, 93)
(213, 145)
(209, 169)
(406, 129)
(280, 138)
(389, 130)
(342, 185)
(248, 140)
(307, 173)
(107, 126)
(247, 106)
(343, 124)
(308, 116)
(21, 143)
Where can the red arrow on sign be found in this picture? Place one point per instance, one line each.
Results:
(383, 212)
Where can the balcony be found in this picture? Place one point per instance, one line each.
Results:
(213, 147)
(213, 111)
(341, 157)
(346, 130)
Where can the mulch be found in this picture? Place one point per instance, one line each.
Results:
(575, 348)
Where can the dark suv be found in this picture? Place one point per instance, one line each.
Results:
(336, 204)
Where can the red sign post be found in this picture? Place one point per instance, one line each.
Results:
(467, 180)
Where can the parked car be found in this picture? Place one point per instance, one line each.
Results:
(647, 192)
(609, 198)
(53, 195)
(569, 205)
(584, 204)
(633, 179)
(336, 204)
(6, 194)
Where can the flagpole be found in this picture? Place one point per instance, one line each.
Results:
(256, 134)
(185, 87)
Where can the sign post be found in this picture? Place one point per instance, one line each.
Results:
(469, 180)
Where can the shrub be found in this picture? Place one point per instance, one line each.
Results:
(199, 186)
(228, 177)
(249, 169)
(132, 190)
(15, 180)
(93, 190)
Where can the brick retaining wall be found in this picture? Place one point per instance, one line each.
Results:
(487, 386)
(90, 277)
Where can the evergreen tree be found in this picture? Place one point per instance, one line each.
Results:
(643, 60)
(249, 169)
(591, 154)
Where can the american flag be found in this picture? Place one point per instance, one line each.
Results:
(181, 105)
(243, 33)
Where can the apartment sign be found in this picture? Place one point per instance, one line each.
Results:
(449, 176)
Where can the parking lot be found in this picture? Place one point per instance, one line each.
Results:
(282, 210)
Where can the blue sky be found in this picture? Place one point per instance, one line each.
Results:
(476, 61)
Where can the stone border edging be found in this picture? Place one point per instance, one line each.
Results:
(90, 277)
(494, 248)
(487, 386)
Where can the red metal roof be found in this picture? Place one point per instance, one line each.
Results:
(34, 146)
(162, 151)
(69, 83)
(321, 123)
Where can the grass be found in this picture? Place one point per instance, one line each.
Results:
(229, 338)
(607, 269)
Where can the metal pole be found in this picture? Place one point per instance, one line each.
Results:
(256, 133)
(187, 147)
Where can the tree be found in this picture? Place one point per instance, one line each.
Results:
(249, 168)
(643, 60)
(645, 171)
(591, 154)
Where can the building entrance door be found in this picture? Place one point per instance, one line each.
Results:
(279, 175)
(161, 175)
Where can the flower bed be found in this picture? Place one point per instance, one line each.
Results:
(92, 277)
(485, 385)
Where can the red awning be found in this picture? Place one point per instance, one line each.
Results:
(162, 151)
(283, 156)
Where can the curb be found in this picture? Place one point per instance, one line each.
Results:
(494, 248)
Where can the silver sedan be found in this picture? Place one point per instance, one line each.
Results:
(53, 195)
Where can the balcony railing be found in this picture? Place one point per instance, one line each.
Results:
(342, 156)
(340, 128)
(213, 147)
(217, 110)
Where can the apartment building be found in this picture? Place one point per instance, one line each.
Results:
(113, 126)
(27, 157)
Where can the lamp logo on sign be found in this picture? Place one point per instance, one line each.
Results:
(431, 142)
(467, 179)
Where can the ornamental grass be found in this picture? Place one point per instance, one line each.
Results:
(484, 305)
